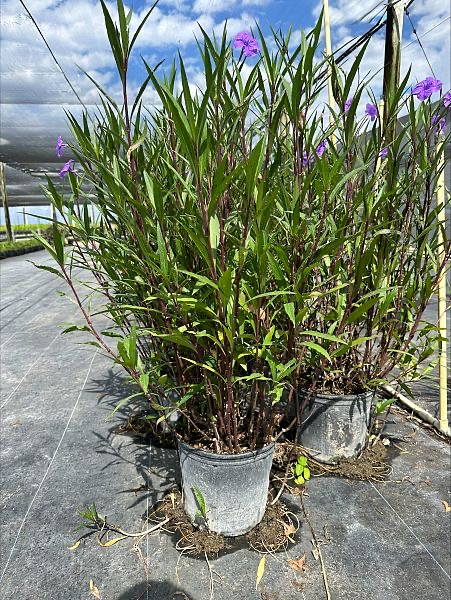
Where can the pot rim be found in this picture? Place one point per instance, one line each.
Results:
(368, 395)
(204, 456)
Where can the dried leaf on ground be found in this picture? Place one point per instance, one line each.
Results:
(111, 542)
(260, 570)
(289, 529)
(94, 590)
(446, 506)
(298, 564)
(75, 546)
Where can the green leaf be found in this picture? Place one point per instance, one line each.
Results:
(59, 245)
(75, 328)
(200, 278)
(123, 27)
(289, 309)
(176, 338)
(361, 310)
(49, 269)
(121, 403)
(253, 167)
(144, 381)
(225, 286)
(114, 39)
(316, 348)
(164, 265)
(381, 405)
(214, 231)
(200, 501)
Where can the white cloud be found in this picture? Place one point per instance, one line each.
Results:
(343, 12)
(213, 6)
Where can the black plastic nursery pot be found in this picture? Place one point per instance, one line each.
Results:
(227, 493)
(334, 427)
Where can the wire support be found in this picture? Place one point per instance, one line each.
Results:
(406, 11)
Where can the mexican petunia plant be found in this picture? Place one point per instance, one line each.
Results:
(243, 246)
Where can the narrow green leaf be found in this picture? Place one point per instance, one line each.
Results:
(289, 309)
(214, 231)
(316, 348)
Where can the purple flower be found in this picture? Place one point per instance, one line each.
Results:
(371, 111)
(424, 89)
(306, 160)
(348, 104)
(319, 150)
(59, 146)
(67, 168)
(247, 43)
(383, 153)
(441, 123)
(447, 100)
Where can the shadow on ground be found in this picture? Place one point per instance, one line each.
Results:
(112, 389)
(154, 590)
(156, 464)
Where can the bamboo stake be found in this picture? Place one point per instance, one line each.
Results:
(443, 410)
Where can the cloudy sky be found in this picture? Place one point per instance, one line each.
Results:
(34, 94)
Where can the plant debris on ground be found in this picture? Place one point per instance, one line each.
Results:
(274, 533)
(371, 465)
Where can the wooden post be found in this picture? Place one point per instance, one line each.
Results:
(328, 54)
(443, 408)
(392, 62)
(9, 231)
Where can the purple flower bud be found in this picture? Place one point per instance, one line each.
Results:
(348, 104)
(447, 100)
(441, 123)
(424, 89)
(371, 111)
(383, 153)
(59, 146)
(306, 160)
(247, 43)
(319, 150)
(67, 168)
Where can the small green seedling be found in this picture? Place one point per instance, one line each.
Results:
(381, 405)
(200, 501)
(301, 471)
(92, 518)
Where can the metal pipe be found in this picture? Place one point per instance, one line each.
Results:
(328, 54)
(417, 410)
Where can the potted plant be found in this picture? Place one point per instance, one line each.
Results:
(189, 259)
(386, 266)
